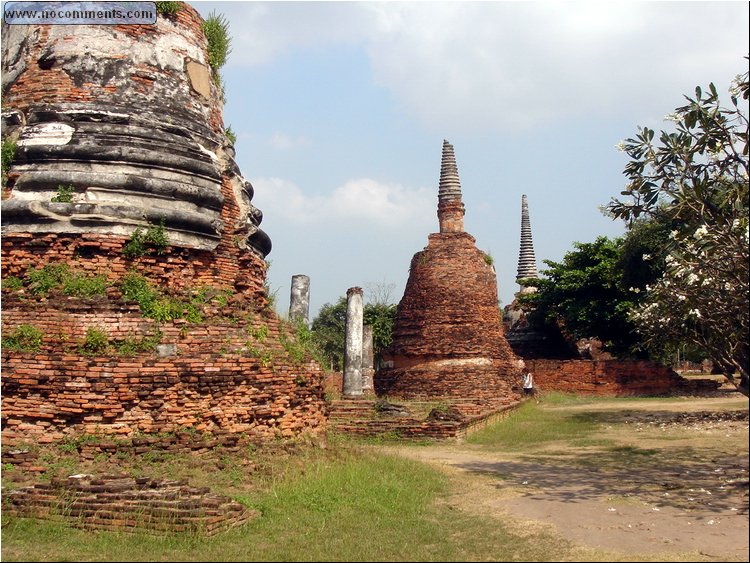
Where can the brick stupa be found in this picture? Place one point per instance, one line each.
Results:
(448, 338)
(119, 136)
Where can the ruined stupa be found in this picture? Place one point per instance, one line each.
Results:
(526, 257)
(526, 340)
(448, 338)
(123, 172)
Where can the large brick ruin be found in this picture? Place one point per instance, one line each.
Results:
(448, 337)
(119, 132)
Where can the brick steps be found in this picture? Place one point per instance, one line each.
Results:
(128, 504)
(360, 418)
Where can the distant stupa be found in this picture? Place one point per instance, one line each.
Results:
(526, 258)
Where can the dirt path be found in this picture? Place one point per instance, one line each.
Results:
(695, 504)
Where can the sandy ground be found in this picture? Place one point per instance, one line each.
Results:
(695, 505)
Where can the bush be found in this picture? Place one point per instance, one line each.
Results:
(8, 154)
(167, 8)
(153, 239)
(64, 194)
(49, 277)
(12, 283)
(216, 30)
(95, 342)
(24, 338)
(79, 285)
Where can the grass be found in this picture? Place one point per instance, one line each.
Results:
(532, 425)
(340, 503)
(342, 499)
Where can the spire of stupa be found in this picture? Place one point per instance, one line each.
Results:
(450, 204)
(526, 258)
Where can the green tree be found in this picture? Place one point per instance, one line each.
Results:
(697, 176)
(329, 332)
(381, 317)
(584, 294)
(329, 329)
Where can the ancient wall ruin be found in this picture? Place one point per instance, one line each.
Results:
(125, 504)
(621, 378)
(118, 132)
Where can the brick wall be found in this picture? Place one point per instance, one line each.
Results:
(214, 376)
(607, 377)
(177, 269)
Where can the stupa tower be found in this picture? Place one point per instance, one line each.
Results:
(526, 258)
(448, 338)
(450, 205)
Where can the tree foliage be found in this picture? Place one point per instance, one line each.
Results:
(584, 294)
(328, 333)
(329, 329)
(381, 317)
(697, 177)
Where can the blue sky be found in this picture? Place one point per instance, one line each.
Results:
(340, 110)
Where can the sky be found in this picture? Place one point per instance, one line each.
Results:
(340, 110)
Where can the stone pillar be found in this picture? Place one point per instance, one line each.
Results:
(368, 360)
(353, 343)
(299, 303)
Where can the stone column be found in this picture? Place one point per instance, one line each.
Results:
(299, 304)
(353, 343)
(368, 360)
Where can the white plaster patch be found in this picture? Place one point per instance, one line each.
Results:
(88, 111)
(208, 152)
(46, 134)
(458, 362)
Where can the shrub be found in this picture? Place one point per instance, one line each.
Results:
(59, 276)
(135, 287)
(24, 338)
(96, 341)
(167, 8)
(153, 239)
(12, 283)
(8, 154)
(49, 277)
(64, 194)
(79, 285)
(216, 30)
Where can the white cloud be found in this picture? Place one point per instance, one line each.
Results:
(498, 65)
(489, 66)
(282, 141)
(264, 31)
(356, 201)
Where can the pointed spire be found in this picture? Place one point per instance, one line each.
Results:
(526, 258)
(450, 205)
(450, 185)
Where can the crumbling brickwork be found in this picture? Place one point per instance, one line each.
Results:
(125, 504)
(212, 377)
(610, 377)
(125, 122)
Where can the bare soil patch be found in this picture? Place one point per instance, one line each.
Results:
(662, 480)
